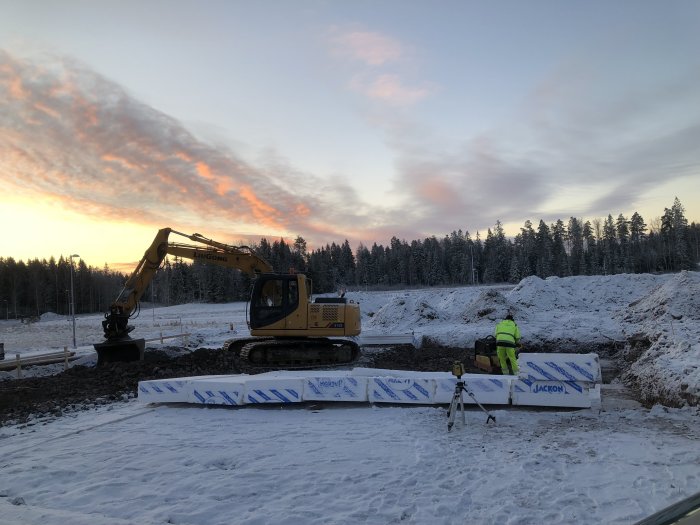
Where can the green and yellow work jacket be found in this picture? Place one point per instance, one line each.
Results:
(507, 334)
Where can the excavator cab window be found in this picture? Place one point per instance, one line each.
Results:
(271, 295)
(274, 298)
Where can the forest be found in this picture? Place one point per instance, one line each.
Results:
(597, 247)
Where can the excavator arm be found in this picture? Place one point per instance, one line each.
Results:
(207, 250)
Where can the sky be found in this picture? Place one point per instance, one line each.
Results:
(338, 120)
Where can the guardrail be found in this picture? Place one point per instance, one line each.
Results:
(40, 359)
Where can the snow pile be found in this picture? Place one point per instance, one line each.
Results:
(674, 299)
(490, 305)
(666, 321)
(51, 316)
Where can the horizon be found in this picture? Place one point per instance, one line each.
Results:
(129, 266)
(331, 121)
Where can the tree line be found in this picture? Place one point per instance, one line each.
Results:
(598, 247)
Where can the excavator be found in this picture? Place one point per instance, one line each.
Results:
(287, 329)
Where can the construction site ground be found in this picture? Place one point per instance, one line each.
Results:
(84, 387)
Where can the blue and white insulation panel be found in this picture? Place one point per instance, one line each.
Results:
(335, 387)
(572, 394)
(401, 390)
(560, 367)
(174, 390)
(228, 391)
(563, 380)
(487, 389)
(262, 390)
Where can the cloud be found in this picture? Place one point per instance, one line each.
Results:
(625, 138)
(72, 136)
(575, 148)
(68, 134)
(370, 48)
(371, 55)
(389, 88)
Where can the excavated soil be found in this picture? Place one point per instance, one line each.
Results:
(81, 387)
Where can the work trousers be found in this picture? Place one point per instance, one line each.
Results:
(506, 355)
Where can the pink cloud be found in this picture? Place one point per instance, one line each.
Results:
(373, 49)
(389, 88)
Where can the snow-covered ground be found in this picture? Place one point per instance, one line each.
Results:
(130, 463)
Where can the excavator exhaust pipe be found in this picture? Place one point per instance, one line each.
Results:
(120, 351)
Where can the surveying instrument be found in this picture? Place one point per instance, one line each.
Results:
(458, 399)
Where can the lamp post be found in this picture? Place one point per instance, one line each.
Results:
(473, 269)
(72, 296)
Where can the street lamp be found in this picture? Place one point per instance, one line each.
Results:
(72, 296)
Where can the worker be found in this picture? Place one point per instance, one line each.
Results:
(507, 340)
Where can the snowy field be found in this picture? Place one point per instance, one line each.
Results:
(336, 464)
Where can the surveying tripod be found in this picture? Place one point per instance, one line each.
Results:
(458, 399)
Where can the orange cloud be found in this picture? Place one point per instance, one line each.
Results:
(204, 171)
(261, 211)
(111, 158)
(125, 163)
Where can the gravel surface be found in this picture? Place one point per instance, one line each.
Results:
(82, 387)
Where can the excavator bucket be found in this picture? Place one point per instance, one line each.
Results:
(121, 350)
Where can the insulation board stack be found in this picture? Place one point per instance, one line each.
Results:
(176, 390)
(225, 390)
(487, 389)
(412, 390)
(338, 386)
(563, 380)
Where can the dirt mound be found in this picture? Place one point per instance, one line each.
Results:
(424, 359)
(83, 387)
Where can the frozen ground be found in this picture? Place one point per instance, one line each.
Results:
(127, 463)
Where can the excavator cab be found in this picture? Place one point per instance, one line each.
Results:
(275, 298)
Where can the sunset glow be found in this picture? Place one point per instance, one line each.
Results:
(347, 125)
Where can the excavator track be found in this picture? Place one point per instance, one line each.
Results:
(256, 355)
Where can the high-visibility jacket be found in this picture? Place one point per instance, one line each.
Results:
(507, 334)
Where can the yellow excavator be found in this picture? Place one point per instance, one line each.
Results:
(287, 329)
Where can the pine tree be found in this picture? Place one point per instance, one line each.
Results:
(637, 237)
(624, 262)
(680, 236)
(559, 260)
(609, 247)
(544, 251)
(574, 237)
